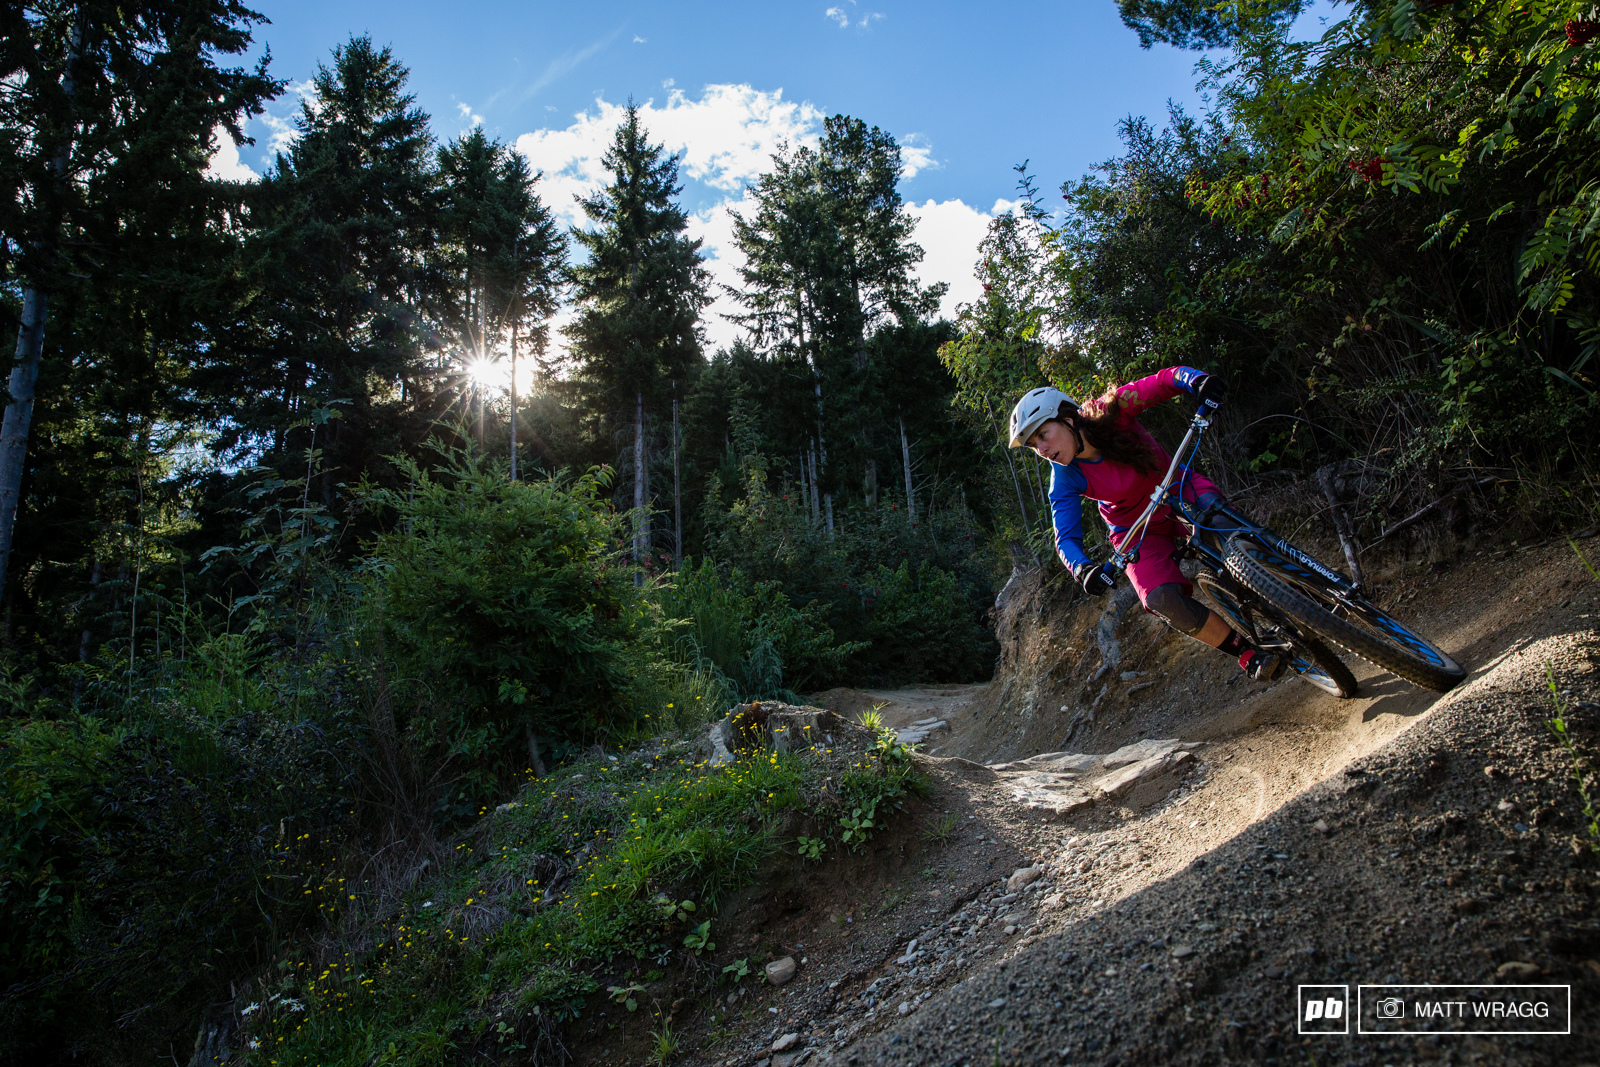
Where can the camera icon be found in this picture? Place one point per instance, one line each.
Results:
(1390, 1008)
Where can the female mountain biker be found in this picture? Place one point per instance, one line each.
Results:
(1098, 450)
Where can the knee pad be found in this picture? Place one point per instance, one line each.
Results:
(1183, 613)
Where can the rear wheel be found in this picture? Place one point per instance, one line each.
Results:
(1349, 621)
(1270, 631)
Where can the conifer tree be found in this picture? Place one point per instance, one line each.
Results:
(829, 257)
(345, 226)
(639, 294)
(109, 118)
(502, 255)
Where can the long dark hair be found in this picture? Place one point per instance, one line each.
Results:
(1105, 425)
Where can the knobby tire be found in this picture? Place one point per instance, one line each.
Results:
(1308, 610)
(1310, 648)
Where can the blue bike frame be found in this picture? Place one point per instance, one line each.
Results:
(1182, 460)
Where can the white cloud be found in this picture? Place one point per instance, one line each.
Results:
(468, 116)
(844, 18)
(638, 40)
(714, 228)
(915, 156)
(282, 128)
(225, 164)
(949, 232)
(726, 139)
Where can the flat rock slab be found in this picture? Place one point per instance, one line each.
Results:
(1087, 763)
(1075, 763)
(1148, 749)
(1055, 795)
(1120, 781)
(918, 732)
(1065, 782)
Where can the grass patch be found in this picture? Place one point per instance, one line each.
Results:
(592, 879)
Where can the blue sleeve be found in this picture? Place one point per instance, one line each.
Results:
(1067, 485)
(1187, 377)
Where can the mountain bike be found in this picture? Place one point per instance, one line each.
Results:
(1281, 599)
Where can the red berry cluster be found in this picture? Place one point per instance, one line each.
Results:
(1582, 31)
(1370, 169)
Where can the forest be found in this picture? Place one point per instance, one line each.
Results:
(292, 591)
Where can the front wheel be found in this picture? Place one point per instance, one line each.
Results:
(1350, 621)
(1270, 631)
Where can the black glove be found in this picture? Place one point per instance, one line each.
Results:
(1210, 387)
(1095, 580)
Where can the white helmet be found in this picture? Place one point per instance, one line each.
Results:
(1036, 407)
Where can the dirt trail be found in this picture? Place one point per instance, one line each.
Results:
(1398, 836)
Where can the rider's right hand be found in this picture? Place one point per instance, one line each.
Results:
(1095, 580)
(1210, 387)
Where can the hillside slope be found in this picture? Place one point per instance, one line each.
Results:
(1397, 837)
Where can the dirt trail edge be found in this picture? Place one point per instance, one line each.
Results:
(1286, 839)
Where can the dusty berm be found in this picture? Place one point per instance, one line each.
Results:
(1043, 903)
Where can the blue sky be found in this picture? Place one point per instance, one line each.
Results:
(969, 90)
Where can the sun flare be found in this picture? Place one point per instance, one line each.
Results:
(488, 373)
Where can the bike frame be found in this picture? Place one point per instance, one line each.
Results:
(1182, 460)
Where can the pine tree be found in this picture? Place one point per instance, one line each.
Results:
(108, 118)
(502, 256)
(828, 258)
(639, 294)
(345, 227)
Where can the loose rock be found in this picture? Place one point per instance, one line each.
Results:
(780, 971)
(1024, 876)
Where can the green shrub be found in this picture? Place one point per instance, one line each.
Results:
(504, 611)
(922, 626)
(751, 634)
(143, 868)
(901, 620)
(611, 865)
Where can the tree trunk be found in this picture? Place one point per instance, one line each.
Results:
(641, 489)
(30, 336)
(513, 399)
(1022, 508)
(677, 492)
(87, 635)
(816, 509)
(805, 484)
(1341, 525)
(870, 483)
(905, 456)
(535, 764)
(18, 419)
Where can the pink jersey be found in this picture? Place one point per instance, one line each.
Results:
(1121, 491)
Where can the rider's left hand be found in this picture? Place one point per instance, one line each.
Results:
(1210, 387)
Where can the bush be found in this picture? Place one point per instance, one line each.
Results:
(502, 610)
(750, 633)
(144, 864)
(921, 626)
(901, 620)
